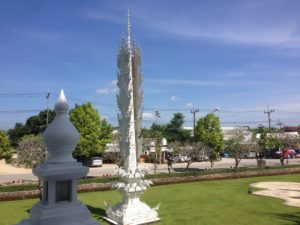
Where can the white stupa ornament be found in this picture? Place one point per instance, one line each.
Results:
(61, 137)
(59, 174)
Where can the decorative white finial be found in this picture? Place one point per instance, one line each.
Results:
(61, 104)
(128, 30)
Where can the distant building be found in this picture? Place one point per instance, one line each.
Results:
(228, 133)
(290, 129)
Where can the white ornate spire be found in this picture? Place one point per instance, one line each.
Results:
(128, 30)
(131, 184)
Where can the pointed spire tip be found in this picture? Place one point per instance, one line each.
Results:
(62, 97)
(61, 104)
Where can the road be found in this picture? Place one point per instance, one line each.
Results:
(10, 173)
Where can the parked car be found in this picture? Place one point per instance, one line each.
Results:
(291, 153)
(180, 158)
(95, 162)
(250, 155)
(225, 155)
(202, 158)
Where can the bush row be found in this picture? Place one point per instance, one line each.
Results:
(6, 196)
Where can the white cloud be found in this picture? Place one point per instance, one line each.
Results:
(189, 105)
(173, 98)
(103, 15)
(203, 82)
(103, 91)
(147, 115)
(233, 23)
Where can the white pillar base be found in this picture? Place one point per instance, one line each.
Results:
(134, 212)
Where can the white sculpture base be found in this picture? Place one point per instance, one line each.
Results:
(131, 211)
(65, 213)
(134, 212)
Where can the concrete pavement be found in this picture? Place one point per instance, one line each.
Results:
(10, 173)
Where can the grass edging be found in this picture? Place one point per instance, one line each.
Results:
(18, 195)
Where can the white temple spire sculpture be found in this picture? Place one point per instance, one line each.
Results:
(132, 185)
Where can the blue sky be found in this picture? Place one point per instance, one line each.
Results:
(239, 56)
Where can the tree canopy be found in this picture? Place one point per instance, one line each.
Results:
(94, 132)
(208, 131)
(236, 145)
(269, 140)
(5, 148)
(31, 150)
(34, 125)
(106, 133)
(174, 130)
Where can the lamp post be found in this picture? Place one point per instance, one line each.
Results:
(215, 110)
(194, 111)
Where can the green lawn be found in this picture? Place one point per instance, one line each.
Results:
(223, 202)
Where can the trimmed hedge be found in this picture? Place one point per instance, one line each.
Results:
(6, 196)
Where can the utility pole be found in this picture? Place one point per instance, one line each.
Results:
(47, 98)
(194, 111)
(279, 124)
(269, 111)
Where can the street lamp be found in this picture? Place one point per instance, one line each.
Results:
(215, 110)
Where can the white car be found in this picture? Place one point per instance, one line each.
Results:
(180, 158)
(96, 161)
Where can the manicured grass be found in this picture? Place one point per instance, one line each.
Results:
(223, 202)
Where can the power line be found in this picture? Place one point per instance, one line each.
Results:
(34, 94)
(21, 111)
(286, 111)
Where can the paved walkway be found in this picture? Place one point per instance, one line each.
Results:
(9, 173)
(288, 191)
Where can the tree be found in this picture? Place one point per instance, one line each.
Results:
(31, 151)
(208, 131)
(238, 145)
(157, 115)
(34, 125)
(194, 151)
(268, 140)
(16, 134)
(87, 121)
(37, 124)
(5, 148)
(157, 130)
(174, 129)
(106, 134)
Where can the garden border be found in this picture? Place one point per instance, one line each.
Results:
(19, 195)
